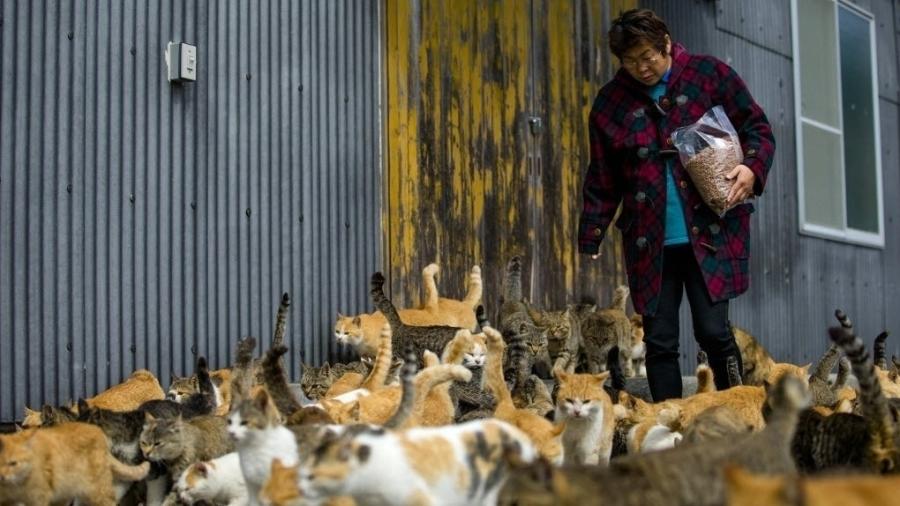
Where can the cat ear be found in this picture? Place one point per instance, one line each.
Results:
(201, 469)
(357, 321)
(83, 407)
(277, 466)
(560, 375)
(29, 411)
(18, 427)
(340, 316)
(148, 418)
(601, 378)
(805, 368)
(47, 412)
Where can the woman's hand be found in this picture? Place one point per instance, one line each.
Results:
(742, 185)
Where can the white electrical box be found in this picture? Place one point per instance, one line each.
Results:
(181, 59)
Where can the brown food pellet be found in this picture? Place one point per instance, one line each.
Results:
(708, 169)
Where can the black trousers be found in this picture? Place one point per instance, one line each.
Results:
(712, 330)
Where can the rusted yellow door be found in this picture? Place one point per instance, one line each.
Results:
(487, 103)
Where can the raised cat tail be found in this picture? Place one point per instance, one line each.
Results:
(430, 378)
(204, 400)
(705, 379)
(125, 472)
(826, 363)
(382, 365)
(620, 298)
(494, 371)
(734, 371)
(241, 376)
(475, 288)
(281, 320)
(615, 370)
(382, 303)
(481, 316)
(843, 373)
(430, 285)
(879, 355)
(407, 377)
(512, 284)
(275, 379)
(872, 402)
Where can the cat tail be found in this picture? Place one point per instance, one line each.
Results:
(481, 316)
(872, 402)
(880, 356)
(275, 380)
(734, 371)
(843, 373)
(125, 472)
(382, 364)
(407, 398)
(705, 379)
(241, 377)
(512, 284)
(615, 369)
(475, 288)
(382, 303)
(494, 370)
(455, 349)
(826, 363)
(843, 319)
(431, 378)
(206, 401)
(430, 286)
(671, 417)
(281, 320)
(620, 298)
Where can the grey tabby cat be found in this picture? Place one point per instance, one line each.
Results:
(604, 328)
(315, 381)
(689, 475)
(408, 337)
(516, 322)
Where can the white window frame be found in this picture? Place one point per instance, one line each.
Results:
(846, 234)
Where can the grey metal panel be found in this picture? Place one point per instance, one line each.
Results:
(124, 199)
(886, 47)
(762, 22)
(798, 281)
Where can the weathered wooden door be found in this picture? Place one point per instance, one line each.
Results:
(487, 143)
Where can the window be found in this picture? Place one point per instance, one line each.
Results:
(838, 138)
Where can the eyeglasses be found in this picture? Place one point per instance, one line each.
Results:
(642, 61)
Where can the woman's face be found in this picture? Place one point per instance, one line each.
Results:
(645, 63)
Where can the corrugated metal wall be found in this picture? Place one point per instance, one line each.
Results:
(469, 180)
(141, 220)
(797, 280)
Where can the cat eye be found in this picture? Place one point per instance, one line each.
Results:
(243, 423)
(570, 401)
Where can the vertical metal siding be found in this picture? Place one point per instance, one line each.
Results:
(797, 281)
(142, 221)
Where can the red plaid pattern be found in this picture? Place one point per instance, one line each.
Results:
(628, 131)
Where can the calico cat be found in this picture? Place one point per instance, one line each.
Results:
(417, 338)
(605, 328)
(515, 321)
(748, 489)
(216, 481)
(362, 331)
(544, 434)
(58, 464)
(457, 464)
(865, 441)
(587, 412)
(638, 348)
(684, 475)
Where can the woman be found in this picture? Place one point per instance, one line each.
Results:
(673, 242)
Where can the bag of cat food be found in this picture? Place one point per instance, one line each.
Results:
(709, 149)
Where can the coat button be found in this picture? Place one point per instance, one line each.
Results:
(598, 232)
(643, 152)
(641, 242)
(638, 113)
(669, 141)
(665, 102)
(640, 196)
(682, 183)
(695, 230)
(751, 152)
(681, 99)
(714, 228)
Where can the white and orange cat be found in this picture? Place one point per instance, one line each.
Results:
(362, 331)
(59, 464)
(217, 481)
(454, 465)
(588, 414)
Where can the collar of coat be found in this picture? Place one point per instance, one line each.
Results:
(680, 59)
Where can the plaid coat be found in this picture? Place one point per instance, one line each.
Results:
(628, 133)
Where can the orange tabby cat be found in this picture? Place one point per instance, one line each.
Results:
(542, 432)
(362, 331)
(747, 489)
(282, 489)
(59, 464)
(588, 413)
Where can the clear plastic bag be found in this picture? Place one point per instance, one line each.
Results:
(709, 149)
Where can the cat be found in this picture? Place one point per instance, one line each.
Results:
(352, 380)
(748, 489)
(822, 392)
(282, 489)
(515, 321)
(563, 332)
(216, 481)
(456, 464)
(544, 434)
(471, 400)
(759, 367)
(705, 380)
(684, 475)
(715, 422)
(638, 349)
(362, 331)
(58, 464)
(605, 328)
(417, 338)
(316, 382)
(48, 416)
(889, 377)
(181, 388)
(864, 441)
(588, 414)
(140, 387)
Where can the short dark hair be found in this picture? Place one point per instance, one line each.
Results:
(636, 26)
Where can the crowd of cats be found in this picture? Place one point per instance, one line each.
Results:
(445, 408)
